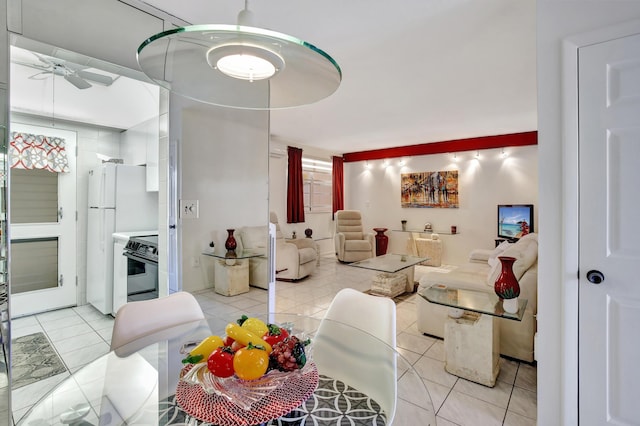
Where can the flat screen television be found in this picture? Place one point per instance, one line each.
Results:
(514, 221)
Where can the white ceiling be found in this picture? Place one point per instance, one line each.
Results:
(414, 71)
(35, 90)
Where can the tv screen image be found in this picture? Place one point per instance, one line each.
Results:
(515, 220)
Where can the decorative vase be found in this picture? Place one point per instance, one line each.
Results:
(230, 244)
(382, 241)
(506, 286)
(308, 232)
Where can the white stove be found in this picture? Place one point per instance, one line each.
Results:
(135, 275)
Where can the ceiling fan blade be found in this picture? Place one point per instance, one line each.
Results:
(32, 65)
(40, 75)
(77, 81)
(98, 78)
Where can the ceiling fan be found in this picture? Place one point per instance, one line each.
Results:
(73, 73)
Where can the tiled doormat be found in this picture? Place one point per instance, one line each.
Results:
(33, 359)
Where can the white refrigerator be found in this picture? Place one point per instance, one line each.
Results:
(117, 202)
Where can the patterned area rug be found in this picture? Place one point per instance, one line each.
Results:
(33, 359)
(332, 404)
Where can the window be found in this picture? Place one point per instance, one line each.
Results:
(316, 176)
(34, 196)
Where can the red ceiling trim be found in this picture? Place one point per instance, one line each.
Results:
(470, 144)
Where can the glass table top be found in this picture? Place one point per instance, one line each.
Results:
(239, 254)
(470, 300)
(389, 262)
(140, 383)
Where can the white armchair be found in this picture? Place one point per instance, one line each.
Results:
(295, 259)
(352, 243)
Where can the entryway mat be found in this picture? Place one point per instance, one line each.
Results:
(33, 359)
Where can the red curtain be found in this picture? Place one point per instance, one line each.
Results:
(295, 187)
(338, 184)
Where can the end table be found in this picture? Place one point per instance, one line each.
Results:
(472, 332)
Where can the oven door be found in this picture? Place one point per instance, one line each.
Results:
(142, 277)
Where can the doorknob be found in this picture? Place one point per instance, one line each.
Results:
(595, 277)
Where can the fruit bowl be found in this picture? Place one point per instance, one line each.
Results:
(288, 359)
(244, 393)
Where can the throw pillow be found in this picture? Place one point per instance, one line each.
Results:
(500, 248)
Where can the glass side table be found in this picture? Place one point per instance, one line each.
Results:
(472, 331)
(231, 270)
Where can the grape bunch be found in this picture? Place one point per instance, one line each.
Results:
(288, 355)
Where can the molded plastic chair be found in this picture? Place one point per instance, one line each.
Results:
(352, 243)
(365, 361)
(136, 320)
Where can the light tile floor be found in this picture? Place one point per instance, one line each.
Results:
(82, 334)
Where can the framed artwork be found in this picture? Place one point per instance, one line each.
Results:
(430, 189)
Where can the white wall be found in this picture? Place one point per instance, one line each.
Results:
(223, 157)
(557, 315)
(483, 183)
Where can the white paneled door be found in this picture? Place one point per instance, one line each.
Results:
(609, 246)
(43, 232)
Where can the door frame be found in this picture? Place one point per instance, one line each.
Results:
(570, 206)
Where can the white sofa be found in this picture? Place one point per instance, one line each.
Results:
(255, 238)
(516, 337)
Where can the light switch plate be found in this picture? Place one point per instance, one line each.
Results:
(189, 209)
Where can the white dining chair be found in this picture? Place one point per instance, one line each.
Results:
(365, 361)
(136, 320)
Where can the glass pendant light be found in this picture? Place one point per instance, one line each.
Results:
(239, 66)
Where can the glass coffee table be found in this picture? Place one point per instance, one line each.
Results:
(472, 331)
(393, 271)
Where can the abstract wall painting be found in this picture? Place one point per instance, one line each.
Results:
(430, 189)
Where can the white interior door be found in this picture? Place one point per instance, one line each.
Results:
(609, 248)
(43, 251)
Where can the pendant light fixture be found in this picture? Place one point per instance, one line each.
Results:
(239, 66)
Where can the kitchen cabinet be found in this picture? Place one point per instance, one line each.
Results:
(140, 145)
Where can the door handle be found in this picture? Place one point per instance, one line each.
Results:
(595, 277)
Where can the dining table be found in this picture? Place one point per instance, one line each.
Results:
(350, 377)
